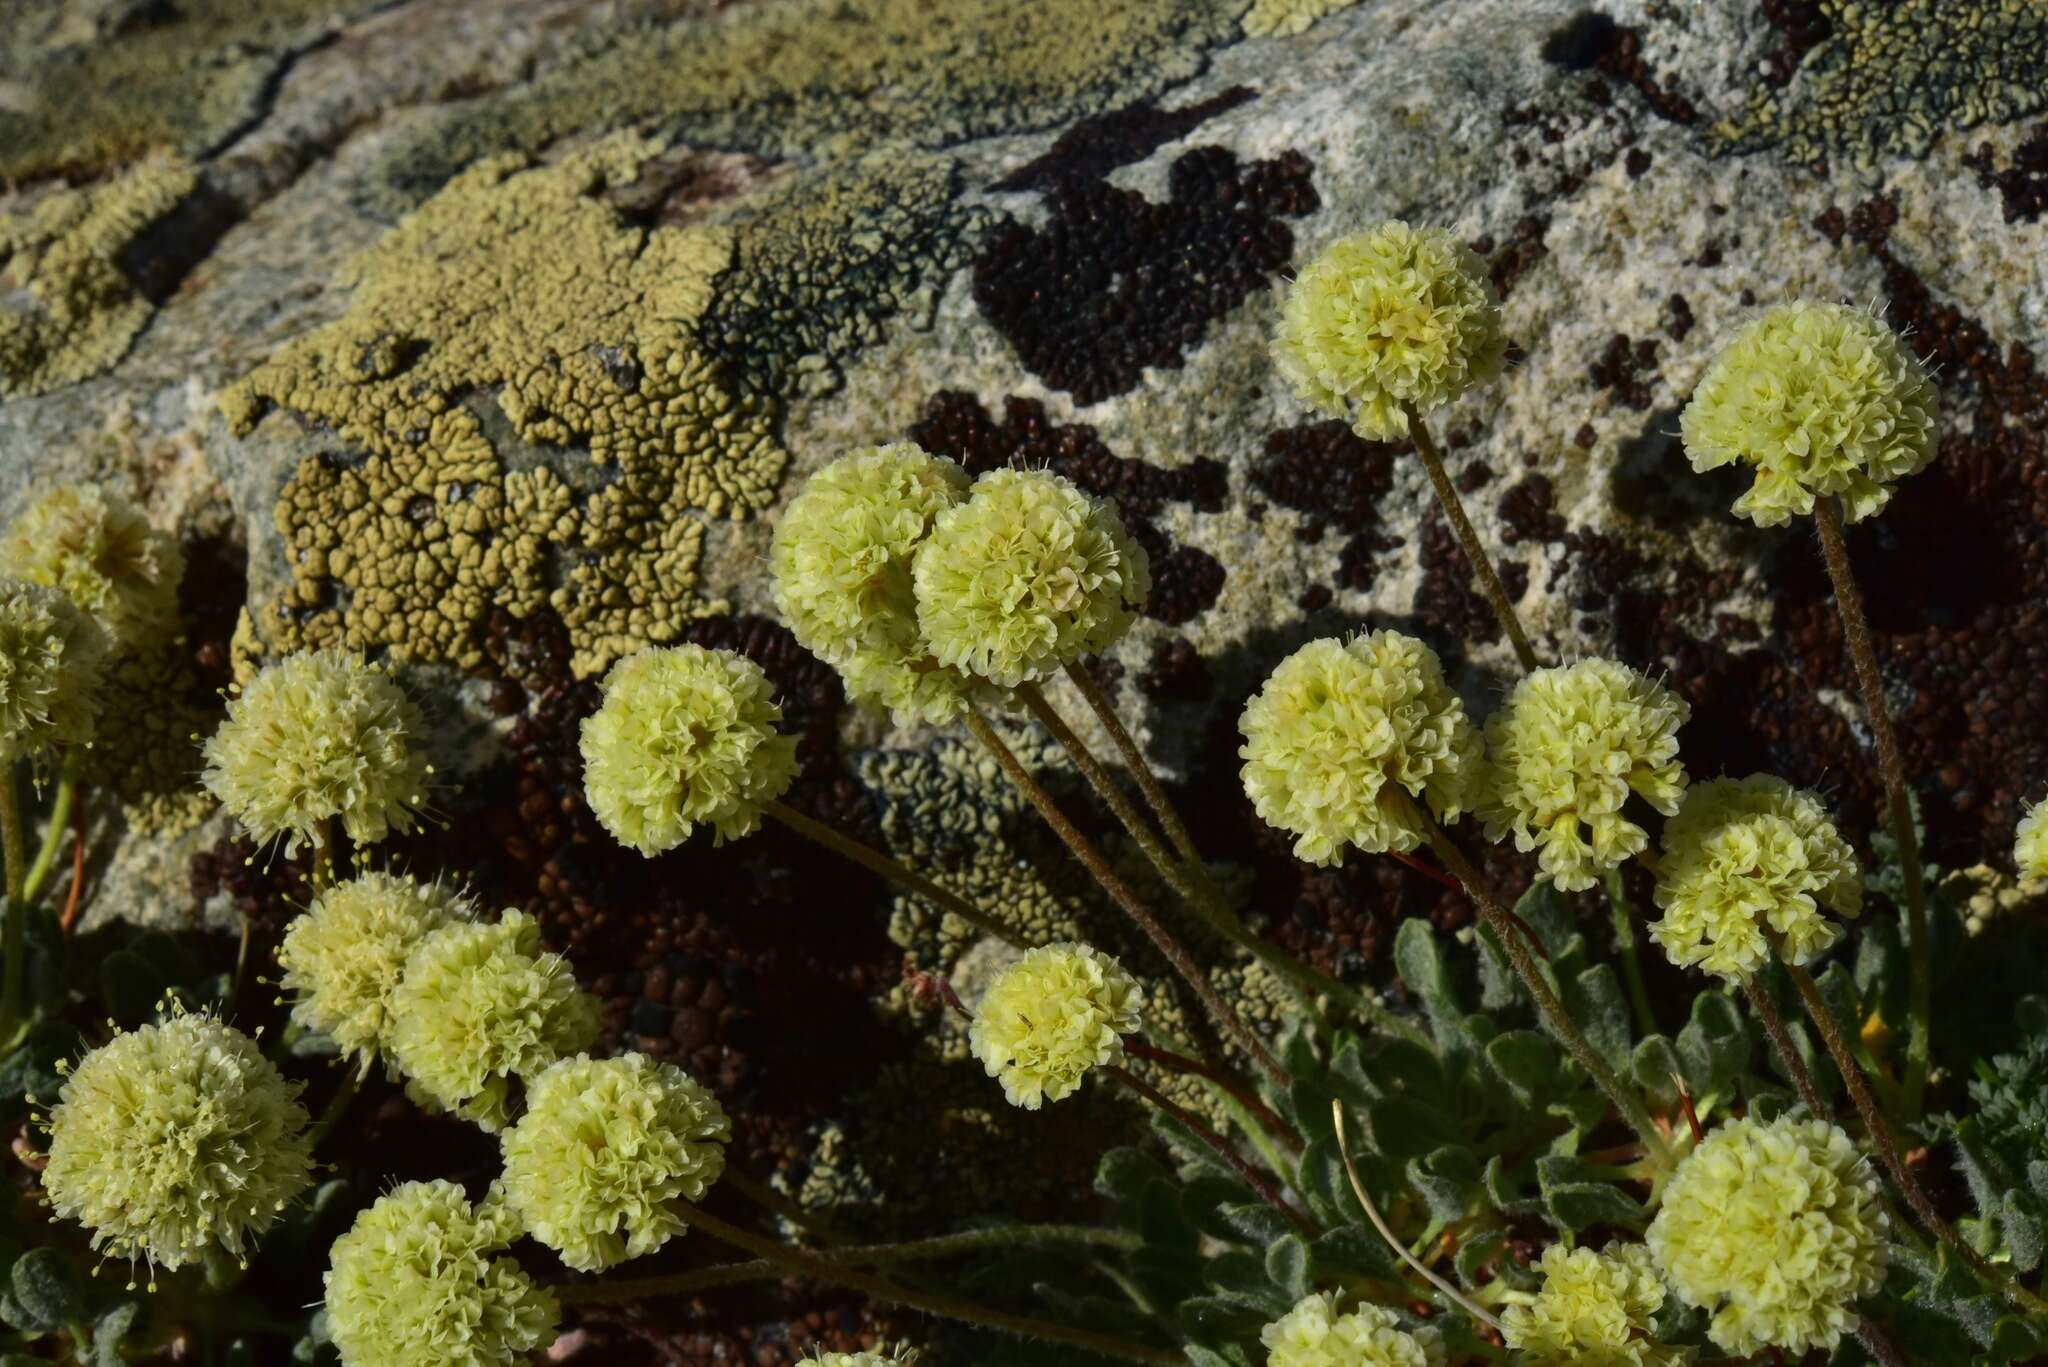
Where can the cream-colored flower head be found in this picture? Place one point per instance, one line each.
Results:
(1388, 320)
(898, 1357)
(2030, 847)
(604, 1147)
(343, 958)
(51, 659)
(419, 1281)
(315, 736)
(1050, 1017)
(98, 550)
(1776, 1231)
(170, 1139)
(1823, 400)
(1027, 575)
(1317, 1332)
(1744, 856)
(685, 736)
(480, 1004)
(1594, 1310)
(841, 562)
(1342, 737)
(1566, 750)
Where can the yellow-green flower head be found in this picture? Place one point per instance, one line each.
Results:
(1746, 856)
(604, 1147)
(1027, 575)
(900, 1357)
(1387, 320)
(1567, 749)
(343, 958)
(685, 736)
(98, 550)
(315, 736)
(1823, 400)
(171, 1139)
(1776, 1231)
(1318, 1333)
(841, 562)
(1050, 1017)
(1594, 1310)
(480, 1004)
(418, 1282)
(1345, 733)
(51, 659)
(2030, 849)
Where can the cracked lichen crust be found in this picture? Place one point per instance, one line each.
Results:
(522, 281)
(1288, 17)
(798, 78)
(98, 550)
(64, 252)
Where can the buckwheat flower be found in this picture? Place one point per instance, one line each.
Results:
(1744, 857)
(479, 1004)
(1776, 1231)
(1345, 733)
(841, 563)
(51, 659)
(342, 959)
(1594, 1310)
(174, 1138)
(1050, 1017)
(418, 1281)
(1822, 400)
(1567, 749)
(1027, 575)
(685, 736)
(316, 736)
(1387, 320)
(2030, 849)
(900, 1357)
(1318, 1333)
(98, 550)
(605, 1147)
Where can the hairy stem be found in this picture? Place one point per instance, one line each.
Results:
(1181, 1063)
(1468, 538)
(54, 833)
(1827, 519)
(1781, 1042)
(1631, 965)
(1140, 767)
(15, 943)
(1253, 1178)
(338, 1104)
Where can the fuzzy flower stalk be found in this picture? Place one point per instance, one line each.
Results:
(1593, 1310)
(1057, 1012)
(98, 550)
(1319, 1332)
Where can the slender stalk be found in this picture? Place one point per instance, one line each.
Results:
(1120, 892)
(1475, 551)
(1141, 768)
(775, 1203)
(821, 1268)
(874, 861)
(1243, 1095)
(1827, 520)
(55, 831)
(15, 941)
(1253, 1178)
(1631, 965)
(1888, 1150)
(1781, 1041)
(1878, 1343)
(338, 1104)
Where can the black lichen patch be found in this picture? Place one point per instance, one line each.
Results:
(1114, 283)
(1628, 369)
(2022, 183)
(1508, 261)
(1100, 143)
(1594, 42)
(1447, 601)
(1185, 580)
(1335, 479)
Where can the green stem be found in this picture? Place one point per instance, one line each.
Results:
(775, 1203)
(1218, 1145)
(54, 833)
(1181, 1063)
(15, 944)
(1781, 1041)
(1141, 769)
(337, 1105)
(1891, 762)
(1495, 592)
(1631, 965)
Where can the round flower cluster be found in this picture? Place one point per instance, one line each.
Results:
(415, 1283)
(1050, 1017)
(604, 1147)
(1746, 856)
(1567, 749)
(2030, 847)
(480, 1004)
(173, 1138)
(1824, 400)
(1594, 1310)
(1776, 1231)
(51, 656)
(685, 735)
(841, 562)
(1345, 734)
(319, 735)
(901, 1357)
(1027, 575)
(1389, 320)
(98, 550)
(1315, 1333)
(343, 958)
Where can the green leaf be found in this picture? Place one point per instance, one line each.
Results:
(31, 1070)
(1239, 1270)
(1256, 1222)
(1594, 999)
(110, 1334)
(1574, 1200)
(45, 1291)
(1287, 1266)
(1715, 1046)
(1216, 1320)
(1231, 1355)
(1505, 1192)
(1202, 1201)
(1420, 962)
(1654, 1063)
(1449, 1181)
(1124, 1172)
(1400, 1128)
(1321, 1181)
(1526, 1062)
(1401, 1066)
(1352, 1251)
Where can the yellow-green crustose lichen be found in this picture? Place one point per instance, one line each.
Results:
(64, 253)
(1050, 1017)
(1319, 1332)
(1288, 17)
(1593, 1310)
(52, 658)
(519, 280)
